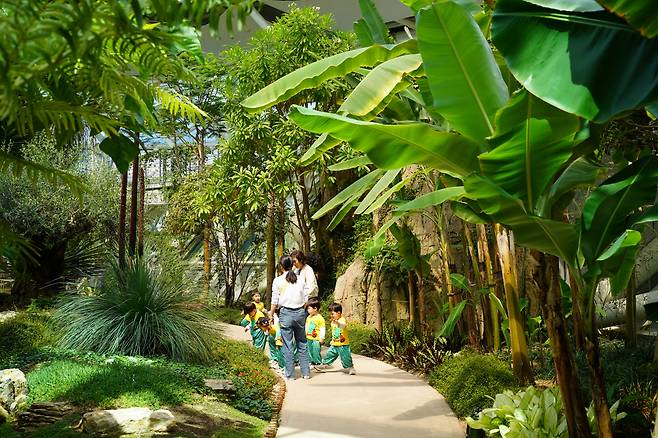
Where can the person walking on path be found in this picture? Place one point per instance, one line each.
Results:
(340, 342)
(306, 272)
(290, 294)
(315, 331)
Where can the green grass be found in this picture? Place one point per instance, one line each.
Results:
(228, 315)
(24, 334)
(6, 431)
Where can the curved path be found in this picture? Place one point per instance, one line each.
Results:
(380, 401)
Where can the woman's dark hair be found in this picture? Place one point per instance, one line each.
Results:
(335, 307)
(286, 264)
(297, 254)
(315, 262)
(248, 308)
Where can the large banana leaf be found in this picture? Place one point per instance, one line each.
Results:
(464, 78)
(606, 211)
(379, 187)
(372, 22)
(436, 197)
(320, 71)
(579, 173)
(353, 191)
(641, 14)
(618, 261)
(552, 237)
(352, 163)
(321, 145)
(586, 63)
(533, 140)
(387, 195)
(378, 84)
(395, 146)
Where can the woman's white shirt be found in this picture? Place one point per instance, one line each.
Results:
(292, 295)
(310, 281)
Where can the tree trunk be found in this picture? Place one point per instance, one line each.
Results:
(565, 367)
(577, 315)
(520, 356)
(280, 227)
(132, 231)
(140, 214)
(470, 311)
(412, 298)
(630, 329)
(422, 309)
(379, 324)
(489, 311)
(122, 220)
(269, 250)
(306, 215)
(599, 397)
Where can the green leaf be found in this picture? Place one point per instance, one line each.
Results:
(338, 218)
(469, 214)
(321, 145)
(498, 304)
(552, 237)
(374, 247)
(451, 322)
(580, 173)
(437, 197)
(121, 149)
(363, 33)
(385, 197)
(350, 164)
(394, 146)
(464, 78)
(628, 239)
(374, 21)
(320, 71)
(533, 140)
(460, 281)
(641, 14)
(607, 208)
(379, 187)
(378, 84)
(585, 63)
(354, 190)
(618, 261)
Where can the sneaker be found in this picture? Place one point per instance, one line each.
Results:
(351, 371)
(306, 377)
(321, 368)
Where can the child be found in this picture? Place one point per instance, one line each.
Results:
(255, 297)
(315, 331)
(251, 315)
(274, 340)
(340, 343)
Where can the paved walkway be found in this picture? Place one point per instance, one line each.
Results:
(380, 401)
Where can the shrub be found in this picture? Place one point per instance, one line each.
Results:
(400, 345)
(23, 334)
(228, 315)
(470, 380)
(359, 334)
(135, 313)
(530, 409)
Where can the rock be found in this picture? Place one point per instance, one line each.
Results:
(219, 385)
(13, 391)
(40, 414)
(7, 315)
(349, 290)
(127, 421)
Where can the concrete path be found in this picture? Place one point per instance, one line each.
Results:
(380, 401)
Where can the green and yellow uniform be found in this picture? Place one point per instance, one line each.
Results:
(340, 344)
(315, 331)
(257, 335)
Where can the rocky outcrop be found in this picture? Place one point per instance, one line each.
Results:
(13, 392)
(42, 414)
(351, 290)
(127, 421)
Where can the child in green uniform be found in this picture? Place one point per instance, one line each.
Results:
(251, 315)
(255, 297)
(340, 342)
(274, 340)
(315, 331)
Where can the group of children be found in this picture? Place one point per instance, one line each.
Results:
(265, 332)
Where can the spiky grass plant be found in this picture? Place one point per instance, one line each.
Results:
(135, 312)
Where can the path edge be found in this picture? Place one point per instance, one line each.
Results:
(278, 394)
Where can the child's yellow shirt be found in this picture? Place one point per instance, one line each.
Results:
(339, 336)
(315, 328)
(260, 306)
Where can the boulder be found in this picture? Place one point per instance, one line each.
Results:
(127, 421)
(13, 391)
(220, 385)
(351, 290)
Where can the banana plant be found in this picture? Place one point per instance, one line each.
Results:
(519, 157)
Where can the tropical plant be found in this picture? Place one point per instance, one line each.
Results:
(540, 411)
(134, 312)
(519, 158)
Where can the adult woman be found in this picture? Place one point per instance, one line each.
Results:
(289, 295)
(305, 271)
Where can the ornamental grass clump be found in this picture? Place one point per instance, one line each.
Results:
(135, 311)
